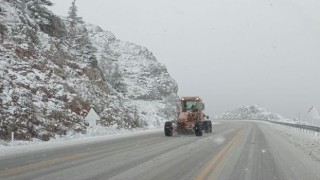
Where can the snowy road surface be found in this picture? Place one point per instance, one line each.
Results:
(235, 150)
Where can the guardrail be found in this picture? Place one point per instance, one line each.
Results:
(300, 126)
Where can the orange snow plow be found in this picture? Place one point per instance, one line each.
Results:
(191, 118)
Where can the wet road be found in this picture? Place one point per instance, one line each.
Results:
(235, 150)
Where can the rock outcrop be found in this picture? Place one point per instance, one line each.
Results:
(52, 72)
(254, 112)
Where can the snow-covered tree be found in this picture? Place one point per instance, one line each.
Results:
(79, 37)
(3, 27)
(39, 2)
(83, 43)
(136, 122)
(44, 18)
(106, 62)
(3, 30)
(76, 25)
(116, 80)
(1, 101)
(73, 17)
(38, 11)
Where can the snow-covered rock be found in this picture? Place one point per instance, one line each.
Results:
(251, 112)
(52, 73)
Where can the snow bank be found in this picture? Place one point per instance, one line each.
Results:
(307, 141)
(99, 134)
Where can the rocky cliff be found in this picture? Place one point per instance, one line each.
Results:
(54, 70)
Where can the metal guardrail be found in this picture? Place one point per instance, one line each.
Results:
(300, 126)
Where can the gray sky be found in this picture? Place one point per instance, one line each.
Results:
(229, 52)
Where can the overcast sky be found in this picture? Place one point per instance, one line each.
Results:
(229, 52)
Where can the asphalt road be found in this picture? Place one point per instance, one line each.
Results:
(234, 151)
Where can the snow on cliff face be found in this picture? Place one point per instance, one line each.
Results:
(52, 74)
(251, 112)
(136, 76)
(143, 77)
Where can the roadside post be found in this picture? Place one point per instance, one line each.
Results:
(12, 138)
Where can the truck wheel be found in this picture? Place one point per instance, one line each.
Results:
(168, 128)
(207, 125)
(198, 129)
(210, 126)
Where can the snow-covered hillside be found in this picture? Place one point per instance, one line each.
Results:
(251, 112)
(54, 70)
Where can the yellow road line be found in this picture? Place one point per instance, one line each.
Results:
(41, 164)
(211, 166)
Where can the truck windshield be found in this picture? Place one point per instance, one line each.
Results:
(189, 105)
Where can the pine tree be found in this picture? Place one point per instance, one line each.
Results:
(40, 2)
(38, 11)
(3, 27)
(116, 80)
(78, 36)
(76, 25)
(46, 2)
(47, 21)
(73, 18)
(136, 119)
(1, 101)
(3, 30)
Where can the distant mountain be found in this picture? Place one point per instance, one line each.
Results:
(54, 70)
(251, 112)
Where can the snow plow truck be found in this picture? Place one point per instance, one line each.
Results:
(190, 118)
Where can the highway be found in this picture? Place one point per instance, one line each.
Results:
(236, 150)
